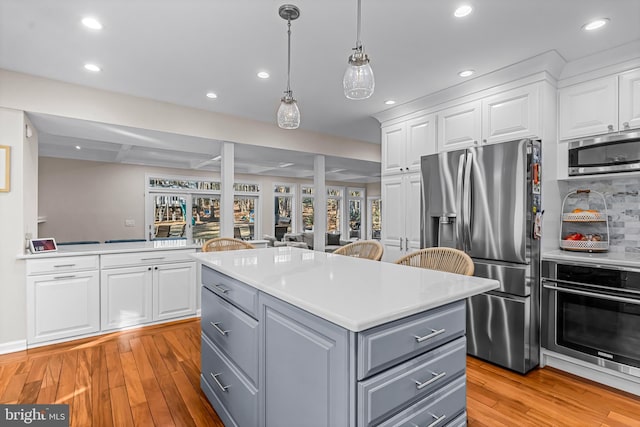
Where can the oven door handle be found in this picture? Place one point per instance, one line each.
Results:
(593, 294)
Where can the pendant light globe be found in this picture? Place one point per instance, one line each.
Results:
(358, 81)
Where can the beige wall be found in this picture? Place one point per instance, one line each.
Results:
(85, 200)
(17, 208)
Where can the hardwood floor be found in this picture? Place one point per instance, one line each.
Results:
(151, 377)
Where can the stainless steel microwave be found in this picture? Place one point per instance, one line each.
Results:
(605, 154)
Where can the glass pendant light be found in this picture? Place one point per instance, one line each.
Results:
(288, 113)
(358, 80)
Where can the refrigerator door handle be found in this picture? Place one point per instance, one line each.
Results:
(466, 202)
(458, 226)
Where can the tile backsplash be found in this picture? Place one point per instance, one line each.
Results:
(623, 208)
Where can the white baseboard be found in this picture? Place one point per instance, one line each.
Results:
(13, 346)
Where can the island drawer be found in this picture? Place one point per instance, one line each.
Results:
(243, 296)
(130, 259)
(382, 347)
(233, 331)
(62, 264)
(388, 392)
(236, 393)
(443, 407)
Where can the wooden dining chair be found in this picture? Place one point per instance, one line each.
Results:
(368, 249)
(225, 244)
(442, 259)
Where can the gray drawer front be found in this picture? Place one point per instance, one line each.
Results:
(243, 296)
(388, 345)
(240, 398)
(446, 405)
(388, 392)
(233, 331)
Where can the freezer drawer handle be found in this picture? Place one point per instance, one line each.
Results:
(437, 421)
(222, 331)
(435, 378)
(215, 378)
(431, 335)
(222, 289)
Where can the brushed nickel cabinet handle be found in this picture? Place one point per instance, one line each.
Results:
(64, 265)
(437, 421)
(625, 125)
(64, 277)
(221, 289)
(431, 335)
(215, 378)
(610, 128)
(222, 331)
(435, 378)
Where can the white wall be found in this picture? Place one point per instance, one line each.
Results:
(17, 217)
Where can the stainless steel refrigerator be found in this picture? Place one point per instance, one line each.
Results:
(486, 201)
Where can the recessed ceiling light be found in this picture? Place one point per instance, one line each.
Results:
(466, 73)
(92, 67)
(462, 11)
(211, 95)
(595, 24)
(389, 102)
(78, 147)
(92, 23)
(263, 75)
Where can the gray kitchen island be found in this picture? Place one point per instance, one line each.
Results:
(292, 337)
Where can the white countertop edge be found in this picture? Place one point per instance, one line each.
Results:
(108, 248)
(363, 323)
(620, 259)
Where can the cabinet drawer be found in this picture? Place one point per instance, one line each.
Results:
(232, 331)
(387, 345)
(392, 390)
(145, 258)
(241, 295)
(62, 264)
(237, 395)
(443, 407)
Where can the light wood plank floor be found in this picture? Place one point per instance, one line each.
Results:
(150, 377)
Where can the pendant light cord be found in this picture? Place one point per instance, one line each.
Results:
(288, 57)
(358, 42)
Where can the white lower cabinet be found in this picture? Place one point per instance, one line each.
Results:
(174, 291)
(62, 305)
(284, 367)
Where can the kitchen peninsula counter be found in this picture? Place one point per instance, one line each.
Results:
(113, 248)
(296, 337)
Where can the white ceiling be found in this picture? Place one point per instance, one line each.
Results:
(176, 51)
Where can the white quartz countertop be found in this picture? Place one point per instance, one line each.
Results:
(113, 248)
(354, 293)
(621, 259)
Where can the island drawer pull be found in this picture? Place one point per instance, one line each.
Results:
(64, 265)
(431, 335)
(222, 331)
(215, 378)
(437, 421)
(72, 276)
(152, 258)
(222, 289)
(435, 378)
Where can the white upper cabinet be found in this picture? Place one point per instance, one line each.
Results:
(510, 115)
(404, 143)
(629, 100)
(589, 108)
(459, 126)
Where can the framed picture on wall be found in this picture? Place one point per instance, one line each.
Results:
(5, 167)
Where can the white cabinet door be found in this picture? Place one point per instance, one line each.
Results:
(630, 100)
(589, 108)
(459, 126)
(126, 295)
(510, 115)
(62, 305)
(174, 290)
(392, 217)
(421, 140)
(412, 197)
(393, 148)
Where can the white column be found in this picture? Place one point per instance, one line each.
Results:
(226, 189)
(320, 204)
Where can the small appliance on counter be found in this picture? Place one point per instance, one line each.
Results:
(585, 228)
